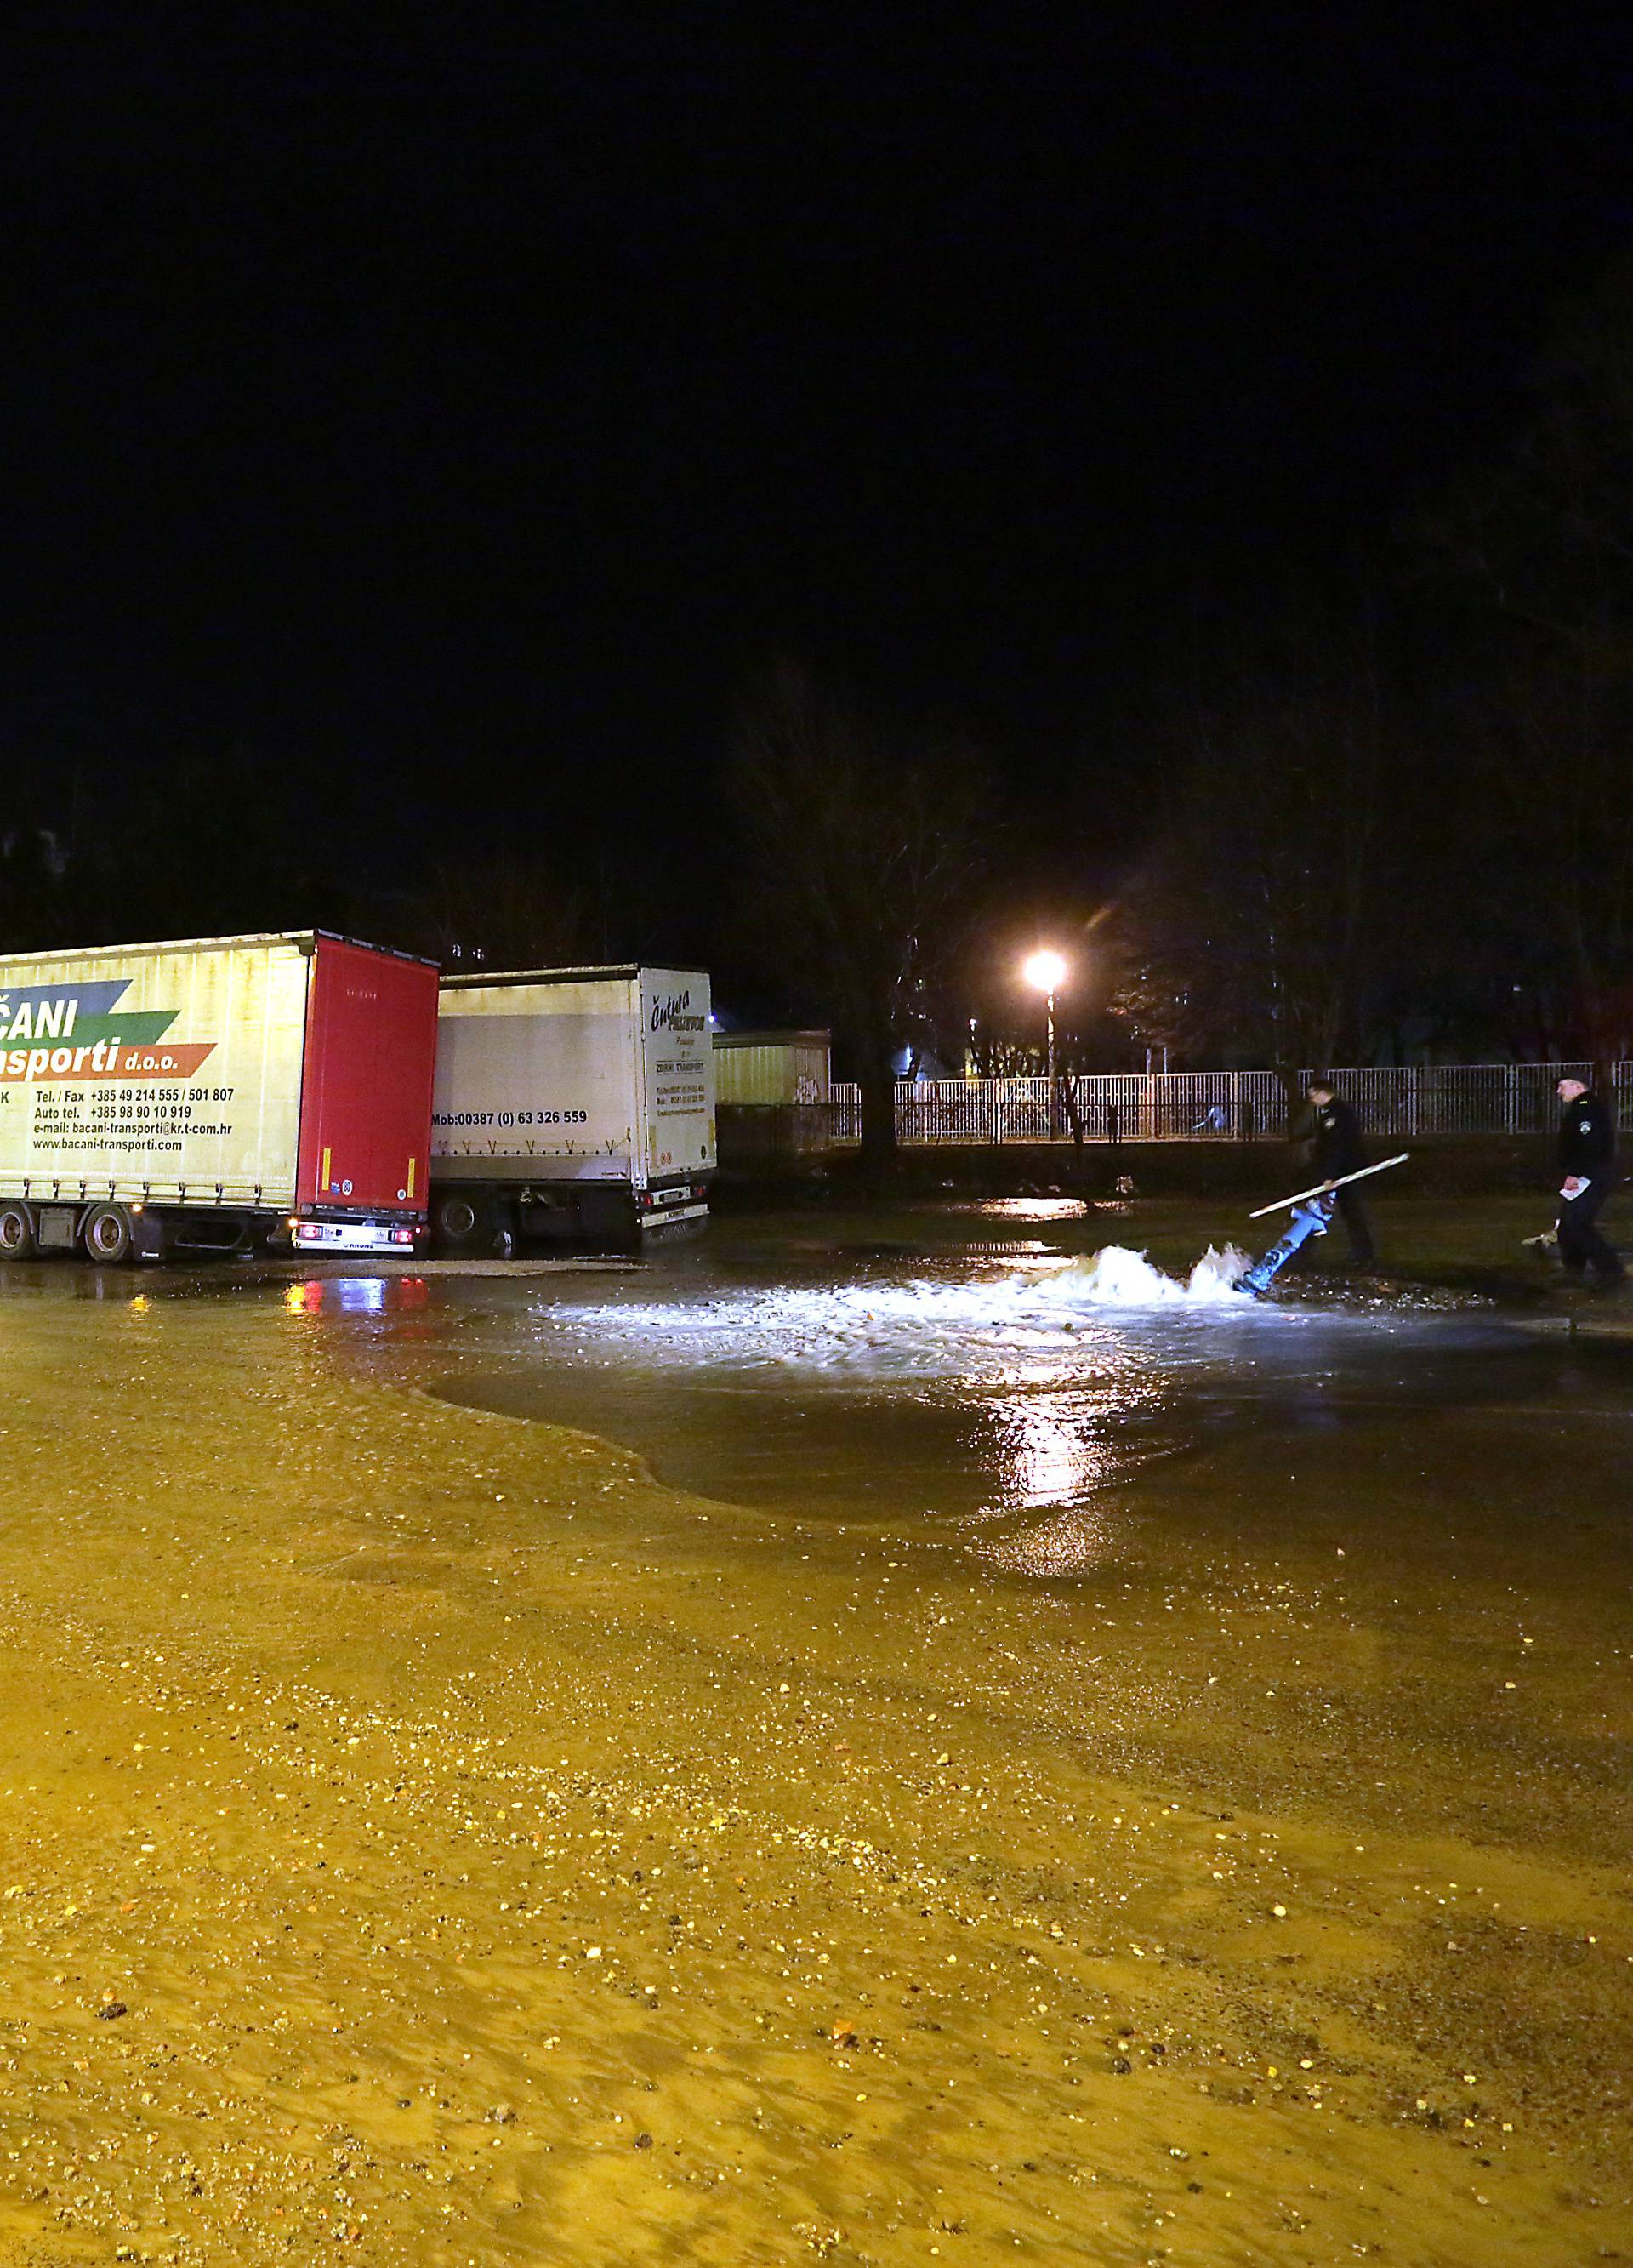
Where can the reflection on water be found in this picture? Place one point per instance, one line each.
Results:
(357, 1295)
(1065, 1544)
(1043, 1448)
(1040, 1207)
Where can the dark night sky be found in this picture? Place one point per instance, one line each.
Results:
(457, 403)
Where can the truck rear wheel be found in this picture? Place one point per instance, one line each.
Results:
(464, 1221)
(106, 1234)
(17, 1231)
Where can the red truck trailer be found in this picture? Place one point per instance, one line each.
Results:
(219, 1093)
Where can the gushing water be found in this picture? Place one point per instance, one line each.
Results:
(925, 1326)
(1117, 1277)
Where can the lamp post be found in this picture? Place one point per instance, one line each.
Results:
(1046, 973)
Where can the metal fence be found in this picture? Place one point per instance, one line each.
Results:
(844, 1112)
(1458, 1098)
(1409, 1101)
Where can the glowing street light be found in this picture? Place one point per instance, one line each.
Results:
(1046, 972)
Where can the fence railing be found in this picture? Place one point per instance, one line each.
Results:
(1409, 1101)
(1423, 1099)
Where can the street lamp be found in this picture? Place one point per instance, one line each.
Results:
(1046, 972)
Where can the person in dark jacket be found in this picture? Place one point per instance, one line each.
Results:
(1339, 1151)
(1587, 1158)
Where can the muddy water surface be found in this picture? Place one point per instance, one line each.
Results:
(968, 1752)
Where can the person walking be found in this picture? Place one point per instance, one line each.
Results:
(1339, 1151)
(1587, 1158)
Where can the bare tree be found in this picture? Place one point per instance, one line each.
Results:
(499, 914)
(865, 843)
(1538, 551)
(1252, 927)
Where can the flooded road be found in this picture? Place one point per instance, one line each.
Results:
(1016, 1375)
(973, 1749)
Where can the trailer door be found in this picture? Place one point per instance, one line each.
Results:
(678, 1072)
(366, 1087)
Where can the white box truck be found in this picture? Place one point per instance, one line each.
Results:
(571, 1104)
(214, 1093)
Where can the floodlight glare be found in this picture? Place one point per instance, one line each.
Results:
(1044, 971)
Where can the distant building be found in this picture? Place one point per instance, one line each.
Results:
(767, 1068)
(771, 1093)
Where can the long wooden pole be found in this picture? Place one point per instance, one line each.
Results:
(1321, 1188)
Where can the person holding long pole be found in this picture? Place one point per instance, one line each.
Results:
(1339, 1153)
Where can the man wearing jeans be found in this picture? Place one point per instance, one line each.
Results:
(1587, 1165)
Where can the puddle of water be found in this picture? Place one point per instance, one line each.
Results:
(957, 1389)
